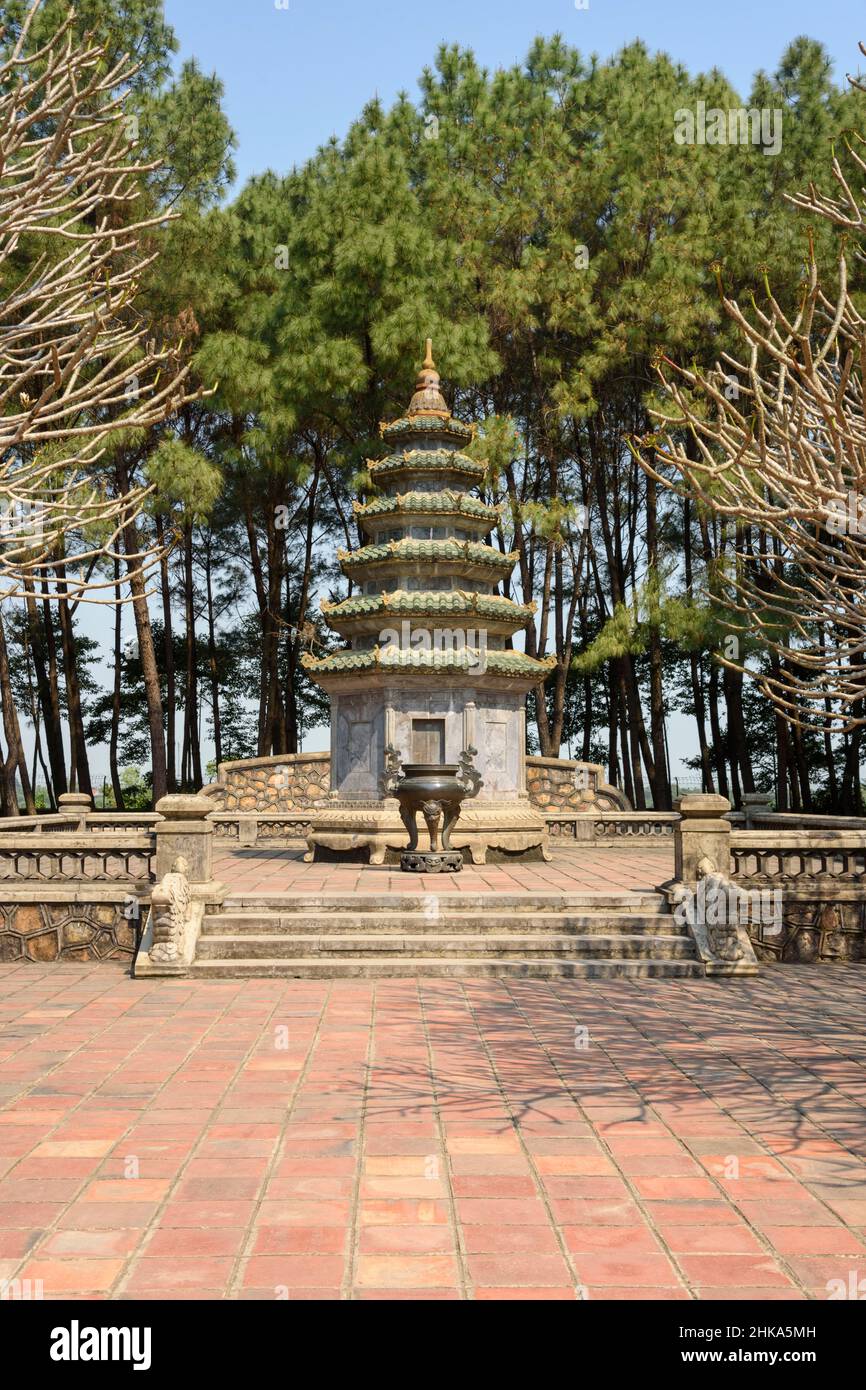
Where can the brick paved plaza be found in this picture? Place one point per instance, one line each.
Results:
(632, 866)
(439, 1139)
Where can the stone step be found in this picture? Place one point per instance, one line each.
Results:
(479, 967)
(509, 946)
(258, 923)
(295, 904)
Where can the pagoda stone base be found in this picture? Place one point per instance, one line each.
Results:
(373, 830)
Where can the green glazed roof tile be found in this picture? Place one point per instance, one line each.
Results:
(470, 551)
(455, 502)
(426, 461)
(426, 424)
(507, 663)
(443, 602)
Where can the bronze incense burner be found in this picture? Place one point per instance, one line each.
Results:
(437, 790)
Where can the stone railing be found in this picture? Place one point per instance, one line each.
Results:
(74, 894)
(799, 895)
(795, 857)
(296, 782)
(757, 814)
(81, 894)
(610, 828)
(271, 829)
(74, 814)
(93, 857)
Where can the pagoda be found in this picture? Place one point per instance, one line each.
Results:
(428, 670)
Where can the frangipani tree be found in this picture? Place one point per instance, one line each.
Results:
(774, 442)
(77, 364)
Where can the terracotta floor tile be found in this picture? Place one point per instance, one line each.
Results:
(713, 1127)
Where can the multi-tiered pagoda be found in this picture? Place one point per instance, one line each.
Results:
(428, 670)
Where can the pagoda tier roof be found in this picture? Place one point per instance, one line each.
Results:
(425, 423)
(471, 553)
(513, 664)
(451, 502)
(352, 612)
(426, 461)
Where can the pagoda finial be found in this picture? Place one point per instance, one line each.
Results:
(428, 398)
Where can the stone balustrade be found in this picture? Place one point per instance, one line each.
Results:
(610, 828)
(799, 856)
(800, 893)
(67, 857)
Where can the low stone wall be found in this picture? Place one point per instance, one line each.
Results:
(558, 784)
(601, 828)
(816, 929)
(74, 895)
(89, 857)
(820, 878)
(288, 782)
(295, 782)
(271, 829)
(63, 925)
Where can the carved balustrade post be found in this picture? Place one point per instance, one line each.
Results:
(76, 807)
(185, 833)
(702, 838)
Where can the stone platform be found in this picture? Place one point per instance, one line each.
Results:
(576, 918)
(634, 867)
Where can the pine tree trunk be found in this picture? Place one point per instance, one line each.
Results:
(658, 779)
(264, 625)
(191, 741)
(695, 666)
(147, 653)
(294, 643)
(114, 771)
(212, 655)
(168, 662)
(15, 759)
(741, 766)
(8, 795)
(716, 731)
(78, 762)
(47, 694)
(48, 615)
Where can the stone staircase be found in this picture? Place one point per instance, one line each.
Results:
(540, 936)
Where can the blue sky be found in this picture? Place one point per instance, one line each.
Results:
(296, 75)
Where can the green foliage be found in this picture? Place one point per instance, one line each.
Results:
(183, 477)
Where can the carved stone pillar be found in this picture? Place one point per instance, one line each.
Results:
(755, 805)
(702, 838)
(390, 725)
(521, 752)
(185, 833)
(470, 710)
(76, 806)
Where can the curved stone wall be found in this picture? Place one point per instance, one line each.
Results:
(558, 784)
(296, 781)
(287, 782)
